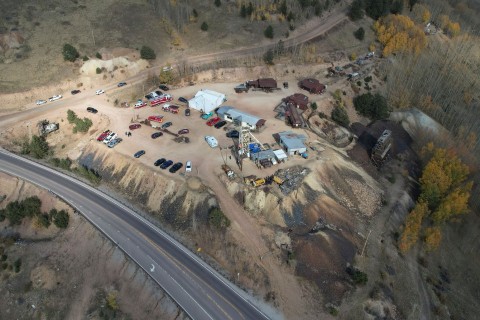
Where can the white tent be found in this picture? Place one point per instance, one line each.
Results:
(206, 100)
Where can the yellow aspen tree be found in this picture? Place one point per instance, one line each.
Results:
(433, 237)
(413, 225)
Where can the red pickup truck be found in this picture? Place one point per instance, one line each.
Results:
(213, 121)
(103, 135)
(158, 119)
(162, 99)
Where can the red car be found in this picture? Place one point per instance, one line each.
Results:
(183, 131)
(158, 119)
(103, 135)
(213, 121)
(162, 99)
(134, 126)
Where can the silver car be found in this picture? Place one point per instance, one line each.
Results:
(114, 142)
(40, 102)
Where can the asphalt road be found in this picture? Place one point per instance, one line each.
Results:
(199, 290)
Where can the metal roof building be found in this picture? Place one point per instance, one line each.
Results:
(245, 119)
(292, 143)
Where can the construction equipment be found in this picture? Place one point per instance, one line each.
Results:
(278, 180)
(258, 182)
(230, 173)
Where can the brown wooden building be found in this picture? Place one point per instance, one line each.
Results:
(312, 85)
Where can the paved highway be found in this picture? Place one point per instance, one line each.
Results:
(199, 290)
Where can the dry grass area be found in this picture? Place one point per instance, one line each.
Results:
(69, 274)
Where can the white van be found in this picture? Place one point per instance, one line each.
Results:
(212, 142)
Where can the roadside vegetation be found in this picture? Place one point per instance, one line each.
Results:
(38, 148)
(15, 212)
(217, 219)
(80, 125)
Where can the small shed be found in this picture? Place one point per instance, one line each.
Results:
(280, 155)
(206, 100)
(299, 100)
(292, 143)
(312, 85)
(244, 119)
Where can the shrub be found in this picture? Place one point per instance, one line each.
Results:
(44, 220)
(15, 211)
(314, 106)
(147, 53)
(90, 174)
(17, 264)
(268, 32)
(2, 215)
(85, 58)
(268, 57)
(204, 26)
(195, 13)
(59, 218)
(358, 276)
(340, 116)
(372, 106)
(98, 55)
(4, 257)
(218, 3)
(368, 79)
(359, 34)
(98, 70)
(69, 52)
(243, 11)
(356, 10)
(217, 219)
(38, 147)
(81, 125)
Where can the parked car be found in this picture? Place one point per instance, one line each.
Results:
(103, 135)
(134, 126)
(114, 142)
(92, 110)
(213, 121)
(40, 102)
(205, 116)
(159, 162)
(158, 92)
(166, 125)
(163, 87)
(75, 91)
(220, 124)
(233, 134)
(55, 98)
(100, 91)
(121, 84)
(166, 164)
(149, 97)
(156, 135)
(139, 104)
(108, 138)
(188, 166)
(187, 112)
(138, 154)
(183, 131)
(176, 167)
(182, 99)
(212, 142)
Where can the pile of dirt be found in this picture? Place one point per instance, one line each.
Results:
(330, 131)
(90, 67)
(292, 178)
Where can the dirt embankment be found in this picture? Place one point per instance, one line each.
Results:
(72, 273)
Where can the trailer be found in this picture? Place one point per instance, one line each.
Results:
(264, 84)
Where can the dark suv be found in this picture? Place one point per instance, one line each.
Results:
(92, 110)
(166, 164)
(138, 154)
(176, 167)
(159, 162)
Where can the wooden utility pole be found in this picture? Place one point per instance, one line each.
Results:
(365, 244)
